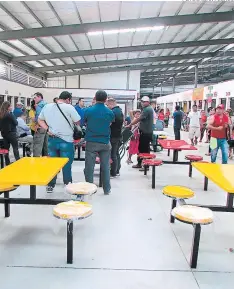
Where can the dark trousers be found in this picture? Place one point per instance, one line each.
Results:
(144, 144)
(116, 161)
(11, 139)
(177, 133)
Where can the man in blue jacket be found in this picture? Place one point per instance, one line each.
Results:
(116, 134)
(18, 109)
(80, 109)
(98, 119)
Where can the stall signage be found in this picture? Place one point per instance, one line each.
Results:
(198, 94)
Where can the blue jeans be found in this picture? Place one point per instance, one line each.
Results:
(223, 145)
(60, 148)
(91, 150)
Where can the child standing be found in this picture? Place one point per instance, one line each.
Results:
(134, 142)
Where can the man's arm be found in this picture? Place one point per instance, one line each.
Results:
(210, 123)
(74, 115)
(22, 124)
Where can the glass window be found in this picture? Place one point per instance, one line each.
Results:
(1, 99)
(213, 103)
(16, 99)
(9, 98)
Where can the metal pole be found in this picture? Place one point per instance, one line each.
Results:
(161, 90)
(196, 76)
(173, 84)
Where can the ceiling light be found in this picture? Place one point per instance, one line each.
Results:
(207, 58)
(127, 30)
(230, 46)
(179, 73)
(190, 67)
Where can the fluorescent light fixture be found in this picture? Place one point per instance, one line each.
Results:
(230, 46)
(206, 59)
(160, 83)
(127, 30)
(190, 67)
(179, 73)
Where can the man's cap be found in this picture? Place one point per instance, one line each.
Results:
(145, 99)
(65, 95)
(19, 103)
(221, 106)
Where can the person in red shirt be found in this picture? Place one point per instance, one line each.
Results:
(218, 124)
(161, 115)
(167, 117)
(202, 124)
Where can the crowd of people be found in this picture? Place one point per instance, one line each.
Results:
(51, 131)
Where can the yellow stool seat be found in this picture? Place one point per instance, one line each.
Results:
(162, 137)
(6, 188)
(72, 210)
(81, 188)
(178, 192)
(193, 214)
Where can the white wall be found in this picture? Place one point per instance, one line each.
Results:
(112, 80)
(72, 81)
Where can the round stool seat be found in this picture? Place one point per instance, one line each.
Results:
(72, 210)
(3, 152)
(98, 160)
(204, 162)
(193, 214)
(162, 137)
(146, 156)
(153, 163)
(81, 188)
(178, 192)
(194, 158)
(7, 188)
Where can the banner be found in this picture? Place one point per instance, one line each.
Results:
(198, 93)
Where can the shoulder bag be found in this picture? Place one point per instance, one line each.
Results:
(77, 131)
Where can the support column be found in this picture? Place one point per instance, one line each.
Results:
(161, 90)
(196, 76)
(173, 84)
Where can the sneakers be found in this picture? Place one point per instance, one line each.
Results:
(107, 193)
(49, 189)
(136, 166)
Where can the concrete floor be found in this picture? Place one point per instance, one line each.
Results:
(128, 243)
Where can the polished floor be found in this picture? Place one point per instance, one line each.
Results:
(128, 243)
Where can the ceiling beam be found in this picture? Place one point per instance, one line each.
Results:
(118, 69)
(121, 24)
(129, 61)
(124, 49)
(124, 62)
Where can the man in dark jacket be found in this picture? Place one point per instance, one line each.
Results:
(116, 129)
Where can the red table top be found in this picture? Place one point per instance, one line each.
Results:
(176, 145)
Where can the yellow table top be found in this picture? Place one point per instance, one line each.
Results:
(221, 175)
(32, 171)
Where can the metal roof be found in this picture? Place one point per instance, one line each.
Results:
(163, 39)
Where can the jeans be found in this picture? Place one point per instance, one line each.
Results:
(177, 133)
(223, 145)
(60, 148)
(144, 144)
(11, 139)
(91, 151)
(116, 161)
(40, 143)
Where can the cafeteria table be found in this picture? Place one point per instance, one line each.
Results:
(176, 146)
(222, 176)
(31, 171)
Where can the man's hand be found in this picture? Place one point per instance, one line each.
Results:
(50, 133)
(128, 126)
(219, 128)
